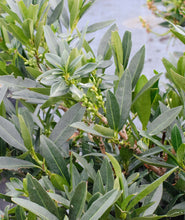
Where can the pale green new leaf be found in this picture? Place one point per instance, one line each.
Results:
(35, 208)
(178, 79)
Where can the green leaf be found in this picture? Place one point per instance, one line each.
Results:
(181, 155)
(98, 184)
(127, 46)
(168, 66)
(78, 201)
(37, 194)
(124, 97)
(117, 170)
(35, 208)
(181, 66)
(106, 132)
(176, 138)
(39, 34)
(101, 205)
(96, 130)
(10, 163)
(56, 13)
(51, 40)
(163, 120)
(178, 79)
(178, 32)
(84, 70)
(117, 52)
(87, 166)
(54, 158)
(74, 13)
(10, 135)
(63, 131)
(3, 91)
(25, 133)
(155, 162)
(136, 65)
(143, 104)
(112, 111)
(147, 86)
(97, 26)
(33, 72)
(27, 28)
(59, 199)
(149, 188)
(105, 41)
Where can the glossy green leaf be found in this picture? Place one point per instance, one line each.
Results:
(37, 194)
(127, 46)
(143, 104)
(10, 163)
(39, 34)
(74, 13)
(112, 111)
(181, 66)
(136, 65)
(35, 208)
(179, 33)
(33, 72)
(163, 120)
(20, 213)
(63, 130)
(101, 205)
(149, 188)
(9, 134)
(106, 132)
(54, 159)
(78, 201)
(124, 97)
(176, 138)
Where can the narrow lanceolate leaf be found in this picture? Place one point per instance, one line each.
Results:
(124, 97)
(147, 86)
(151, 187)
(54, 158)
(163, 120)
(98, 26)
(9, 163)
(176, 138)
(63, 131)
(178, 79)
(20, 213)
(87, 166)
(136, 65)
(10, 135)
(143, 104)
(127, 46)
(56, 13)
(117, 52)
(35, 208)
(37, 194)
(51, 40)
(59, 199)
(117, 170)
(3, 92)
(78, 201)
(113, 111)
(101, 205)
(25, 133)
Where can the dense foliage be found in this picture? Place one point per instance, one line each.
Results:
(68, 139)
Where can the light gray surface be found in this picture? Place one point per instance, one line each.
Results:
(126, 14)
